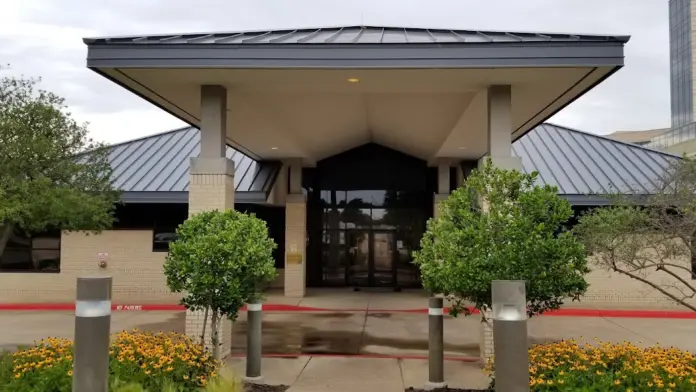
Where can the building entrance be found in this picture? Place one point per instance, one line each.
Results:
(371, 258)
(366, 213)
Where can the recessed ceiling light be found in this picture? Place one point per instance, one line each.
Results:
(274, 148)
(462, 148)
(353, 80)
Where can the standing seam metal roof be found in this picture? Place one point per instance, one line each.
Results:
(355, 35)
(580, 163)
(160, 163)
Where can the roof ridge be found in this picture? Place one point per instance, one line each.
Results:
(89, 40)
(613, 140)
(158, 134)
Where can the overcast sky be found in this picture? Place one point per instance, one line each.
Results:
(44, 38)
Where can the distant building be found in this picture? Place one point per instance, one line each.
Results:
(681, 138)
(640, 138)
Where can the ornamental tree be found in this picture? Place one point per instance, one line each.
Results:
(499, 225)
(47, 181)
(650, 239)
(219, 261)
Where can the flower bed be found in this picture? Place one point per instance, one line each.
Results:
(153, 360)
(569, 366)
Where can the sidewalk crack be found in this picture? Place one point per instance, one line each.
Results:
(301, 371)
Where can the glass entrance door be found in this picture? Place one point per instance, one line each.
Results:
(370, 258)
(382, 272)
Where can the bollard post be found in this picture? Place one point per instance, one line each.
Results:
(511, 351)
(436, 355)
(253, 360)
(92, 330)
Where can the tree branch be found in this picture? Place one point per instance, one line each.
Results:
(655, 286)
(677, 277)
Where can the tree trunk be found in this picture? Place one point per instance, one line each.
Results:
(205, 323)
(7, 230)
(215, 337)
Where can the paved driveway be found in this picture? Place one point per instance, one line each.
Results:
(350, 333)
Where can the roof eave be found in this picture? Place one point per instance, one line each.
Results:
(451, 55)
(163, 197)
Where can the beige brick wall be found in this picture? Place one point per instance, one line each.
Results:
(137, 271)
(608, 286)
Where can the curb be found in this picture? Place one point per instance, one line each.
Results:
(372, 356)
(616, 313)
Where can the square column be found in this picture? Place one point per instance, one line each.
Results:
(295, 234)
(211, 187)
(500, 129)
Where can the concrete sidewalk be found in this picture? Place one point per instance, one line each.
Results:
(338, 374)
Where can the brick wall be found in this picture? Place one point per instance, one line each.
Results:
(136, 269)
(608, 286)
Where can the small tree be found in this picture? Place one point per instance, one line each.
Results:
(219, 261)
(499, 225)
(46, 179)
(651, 239)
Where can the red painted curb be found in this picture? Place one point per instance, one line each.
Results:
(377, 356)
(616, 313)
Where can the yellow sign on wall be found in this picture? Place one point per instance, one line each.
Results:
(293, 258)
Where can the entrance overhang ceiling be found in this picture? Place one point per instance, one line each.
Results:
(314, 101)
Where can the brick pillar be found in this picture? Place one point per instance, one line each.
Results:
(437, 199)
(295, 245)
(211, 187)
(487, 344)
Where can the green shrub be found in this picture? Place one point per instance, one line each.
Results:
(156, 362)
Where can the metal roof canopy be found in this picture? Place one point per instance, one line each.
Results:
(356, 46)
(291, 98)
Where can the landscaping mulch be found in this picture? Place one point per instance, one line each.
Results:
(445, 389)
(265, 388)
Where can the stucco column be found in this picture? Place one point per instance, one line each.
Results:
(295, 234)
(499, 132)
(211, 187)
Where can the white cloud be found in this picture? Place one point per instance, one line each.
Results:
(44, 38)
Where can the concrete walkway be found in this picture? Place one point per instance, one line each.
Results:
(338, 374)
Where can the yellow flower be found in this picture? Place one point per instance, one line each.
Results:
(70, 373)
(18, 375)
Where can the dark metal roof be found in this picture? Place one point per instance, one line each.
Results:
(357, 47)
(155, 169)
(354, 35)
(582, 164)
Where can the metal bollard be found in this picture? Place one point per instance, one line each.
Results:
(510, 336)
(436, 355)
(253, 360)
(92, 330)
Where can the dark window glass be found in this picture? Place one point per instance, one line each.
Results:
(39, 252)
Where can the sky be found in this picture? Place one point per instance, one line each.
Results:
(43, 38)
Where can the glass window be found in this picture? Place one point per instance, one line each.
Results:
(31, 253)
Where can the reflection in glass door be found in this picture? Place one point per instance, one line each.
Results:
(382, 260)
(358, 273)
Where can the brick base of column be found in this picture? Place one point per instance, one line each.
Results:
(487, 343)
(437, 199)
(194, 330)
(295, 244)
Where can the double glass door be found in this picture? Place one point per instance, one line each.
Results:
(371, 258)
